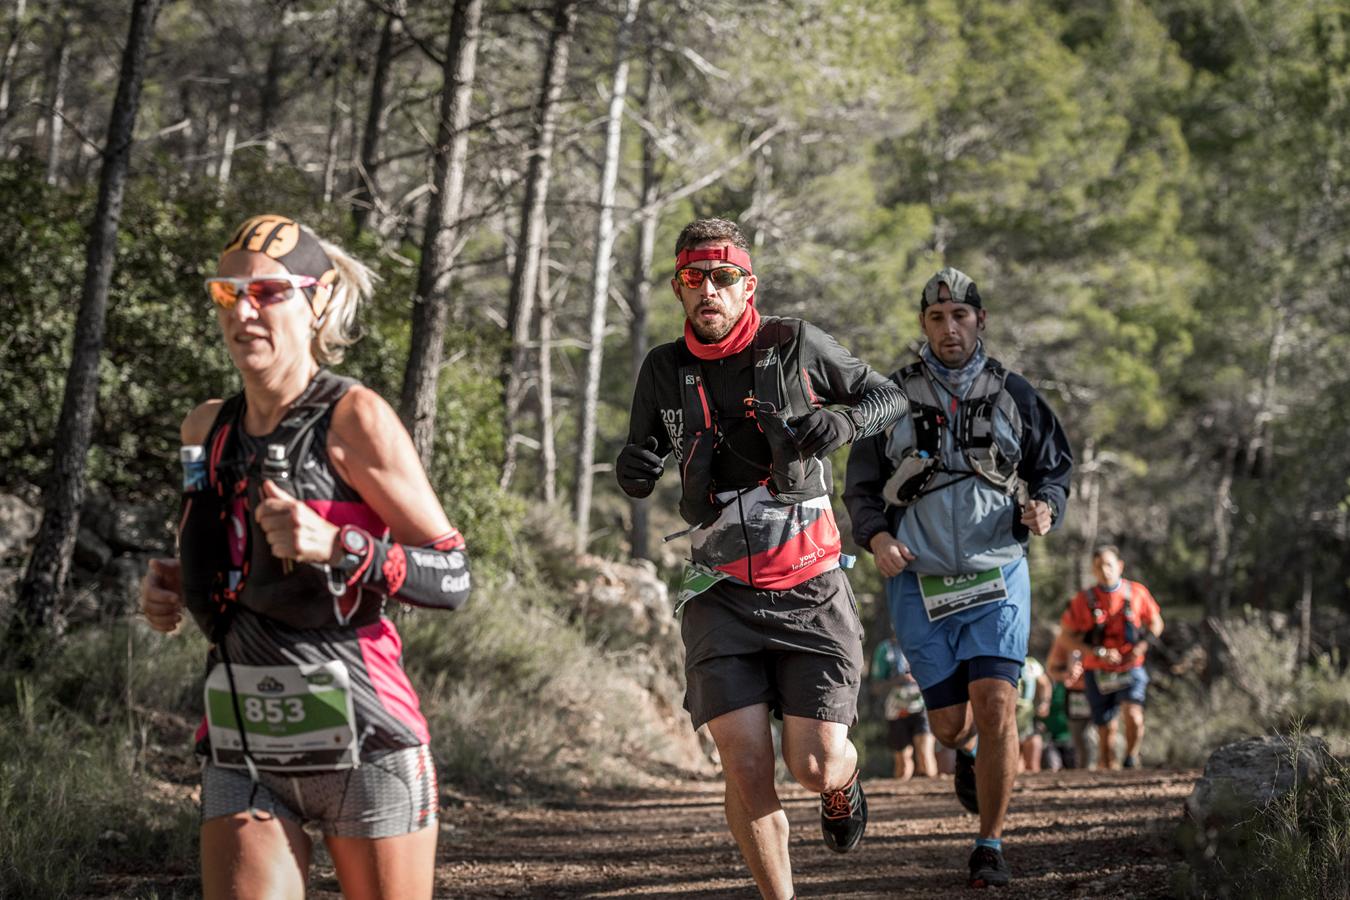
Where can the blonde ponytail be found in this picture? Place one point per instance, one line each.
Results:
(354, 285)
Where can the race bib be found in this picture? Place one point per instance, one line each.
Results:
(1110, 682)
(296, 718)
(1077, 707)
(695, 580)
(946, 594)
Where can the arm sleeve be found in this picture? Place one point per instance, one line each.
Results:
(868, 469)
(644, 419)
(435, 575)
(1047, 458)
(837, 376)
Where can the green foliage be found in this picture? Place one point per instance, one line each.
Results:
(1263, 691)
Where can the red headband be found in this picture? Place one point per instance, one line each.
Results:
(727, 253)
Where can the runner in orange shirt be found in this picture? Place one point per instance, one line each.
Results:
(1112, 623)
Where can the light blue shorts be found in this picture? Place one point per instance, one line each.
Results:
(935, 649)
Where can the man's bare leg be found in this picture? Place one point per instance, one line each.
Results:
(1134, 728)
(754, 814)
(818, 753)
(925, 760)
(1106, 746)
(993, 703)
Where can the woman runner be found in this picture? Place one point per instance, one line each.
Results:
(305, 507)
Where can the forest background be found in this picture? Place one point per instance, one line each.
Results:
(1153, 195)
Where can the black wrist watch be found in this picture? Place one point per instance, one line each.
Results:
(854, 415)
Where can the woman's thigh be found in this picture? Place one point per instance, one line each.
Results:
(391, 868)
(247, 858)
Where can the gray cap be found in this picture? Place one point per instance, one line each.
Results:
(958, 282)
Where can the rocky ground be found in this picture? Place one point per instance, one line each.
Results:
(1071, 834)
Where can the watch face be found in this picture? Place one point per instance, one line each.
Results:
(353, 541)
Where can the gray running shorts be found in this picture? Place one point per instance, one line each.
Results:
(798, 650)
(389, 795)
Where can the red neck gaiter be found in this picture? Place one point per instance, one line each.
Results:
(733, 342)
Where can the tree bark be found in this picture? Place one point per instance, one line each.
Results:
(432, 301)
(35, 609)
(525, 273)
(330, 150)
(231, 136)
(56, 96)
(1305, 607)
(640, 291)
(377, 117)
(604, 258)
(8, 61)
(548, 450)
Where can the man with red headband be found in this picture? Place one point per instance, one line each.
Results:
(769, 621)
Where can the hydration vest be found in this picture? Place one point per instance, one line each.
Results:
(971, 421)
(1097, 636)
(782, 390)
(213, 586)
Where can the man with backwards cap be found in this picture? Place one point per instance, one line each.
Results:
(769, 622)
(946, 501)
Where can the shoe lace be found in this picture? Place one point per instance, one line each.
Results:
(985, 858)
(837, 804)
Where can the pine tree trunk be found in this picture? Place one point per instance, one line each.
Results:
(231, 136)
(529, 245)
(431, 304)
(56, 97)
(363, 200)
(330, 150)
(8, 61)
(640, 293)
(604, 258)
(548, 449)
(34, 616)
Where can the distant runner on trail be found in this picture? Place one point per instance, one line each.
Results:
(907, 731)
(1112, 624)
(946, 501)
(770, 623)
(305, 510)
(1065, 666)
(1033, 703)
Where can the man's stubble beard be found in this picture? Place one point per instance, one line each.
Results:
(710, 337)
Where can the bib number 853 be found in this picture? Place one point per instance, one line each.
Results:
(274, 709)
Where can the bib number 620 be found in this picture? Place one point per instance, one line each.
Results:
(954, 580)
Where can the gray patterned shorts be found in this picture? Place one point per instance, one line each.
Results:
(385, 796)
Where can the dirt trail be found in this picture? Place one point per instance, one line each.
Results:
(1070, 834)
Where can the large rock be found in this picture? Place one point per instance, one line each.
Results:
(18, 524)
(1244, 777)
(628, 601)
(126, 527)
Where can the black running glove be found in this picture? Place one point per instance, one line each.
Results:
(821, 432)
(638, 468)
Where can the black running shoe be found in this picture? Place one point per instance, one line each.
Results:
(843, 816)
(988, 869)
(1131, 762)
(965, 780)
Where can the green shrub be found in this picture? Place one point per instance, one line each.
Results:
(517, 699)
(1263, 690)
